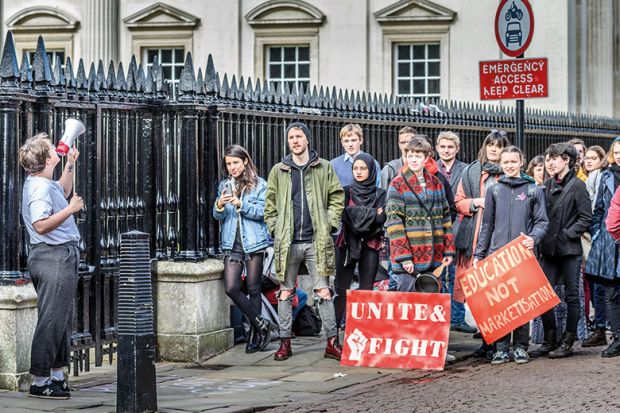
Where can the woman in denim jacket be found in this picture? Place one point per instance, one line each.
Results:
(244, 237)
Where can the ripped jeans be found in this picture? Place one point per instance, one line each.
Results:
(304, 253)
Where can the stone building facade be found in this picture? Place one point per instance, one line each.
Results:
(418, 48)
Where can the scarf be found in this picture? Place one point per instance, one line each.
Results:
(431, 166)
(365, 193)
(470, 180)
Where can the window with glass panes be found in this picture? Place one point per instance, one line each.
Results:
(289, 64)
(171, 60)
(416, 71)
(51, 55)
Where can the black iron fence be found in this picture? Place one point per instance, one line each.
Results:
(150, 161)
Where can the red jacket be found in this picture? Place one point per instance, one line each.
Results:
(613, 216)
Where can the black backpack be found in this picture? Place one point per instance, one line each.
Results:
(307, 322)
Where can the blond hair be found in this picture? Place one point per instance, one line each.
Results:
(351, 128)
(449, 136)
(34, 153)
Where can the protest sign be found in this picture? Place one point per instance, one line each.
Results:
(396, 330)
(506, 290)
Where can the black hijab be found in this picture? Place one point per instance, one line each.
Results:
(365, 193)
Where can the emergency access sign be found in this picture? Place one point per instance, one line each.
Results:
(514, 79)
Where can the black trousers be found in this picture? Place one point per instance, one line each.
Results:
(54, 273)
(368, 266)
(612, 300)
(563, 270)
(521, 338)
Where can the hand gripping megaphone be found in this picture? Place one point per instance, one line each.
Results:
(73, 129)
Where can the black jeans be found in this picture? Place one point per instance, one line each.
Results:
(612, 299)
(521, 338)
(564, 270)
(253, 277)
(368, 266)
(54, 273)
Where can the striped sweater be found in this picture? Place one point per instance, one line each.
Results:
(418, 227)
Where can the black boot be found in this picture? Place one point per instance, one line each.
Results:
(262, 331)
(614, 348)
(549, 344)
(598, 338)
(251, 346)
(566, 347)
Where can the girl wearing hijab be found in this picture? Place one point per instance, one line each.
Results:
(361, 237)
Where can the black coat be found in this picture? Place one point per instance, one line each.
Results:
(569, 209)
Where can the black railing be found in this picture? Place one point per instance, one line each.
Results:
(150, 162)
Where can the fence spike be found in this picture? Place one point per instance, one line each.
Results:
(82, 81)
(249, 90)
(131, 77)
(233, 87)
(41, 63)
(69, 77)
(120, 78)
(148, 82)
(187, 81)
(160, 84)
(257, 91)
(57, 73)
(200, 84)
(277, 93)
(210, 75)
(217, 83)
(111, 78)
(9, 71)
(241, 89)
(133, 68)
(140, 79)
(101, 80)
(25, 71)
(286, 93)
(266, 92)
(92, 79)
(225, 90)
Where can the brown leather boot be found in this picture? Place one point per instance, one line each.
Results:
(598, 338)
(333, 349)
(284, 352)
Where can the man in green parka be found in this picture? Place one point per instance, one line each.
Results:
(303, 205)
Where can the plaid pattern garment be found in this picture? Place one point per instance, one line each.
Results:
(418, 225)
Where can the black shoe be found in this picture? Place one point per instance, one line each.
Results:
(549, 344)
(613, 350)
(598, 338)
(62, 385)
(566, 347)
(463, 328)
(49, 390)
(252, 346)
(262, 331)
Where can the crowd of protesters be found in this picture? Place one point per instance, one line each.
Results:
(335, 217)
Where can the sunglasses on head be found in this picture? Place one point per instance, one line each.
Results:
(499, 132)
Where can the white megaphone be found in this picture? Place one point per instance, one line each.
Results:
(73, 129)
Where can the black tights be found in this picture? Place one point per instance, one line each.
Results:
(368, 266)
(253, 277)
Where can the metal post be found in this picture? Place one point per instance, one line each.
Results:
(136, 389)
(520, 120)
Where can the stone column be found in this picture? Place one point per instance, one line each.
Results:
(101, 26)
(599, 59)
(192, 310)
(18, 319)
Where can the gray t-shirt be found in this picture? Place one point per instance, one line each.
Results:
(41, 199)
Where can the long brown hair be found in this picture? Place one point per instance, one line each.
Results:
(497, 137)
(249, 177)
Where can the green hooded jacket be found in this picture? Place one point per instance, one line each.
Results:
(325, 198)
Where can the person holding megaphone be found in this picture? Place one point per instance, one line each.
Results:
(53, 259)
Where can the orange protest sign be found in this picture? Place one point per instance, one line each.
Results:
(506, 290)
(396, 330)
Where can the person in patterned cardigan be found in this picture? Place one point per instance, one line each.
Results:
(419, 227)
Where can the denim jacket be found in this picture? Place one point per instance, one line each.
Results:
(254, 234)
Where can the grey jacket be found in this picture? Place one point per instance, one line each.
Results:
(389, 171)
(510, 210)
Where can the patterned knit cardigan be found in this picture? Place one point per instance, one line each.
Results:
(418, 234)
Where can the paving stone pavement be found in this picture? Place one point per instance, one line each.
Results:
(236, 382)
(582, 383)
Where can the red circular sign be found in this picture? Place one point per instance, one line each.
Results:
(514, 26)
